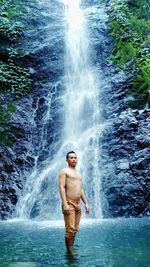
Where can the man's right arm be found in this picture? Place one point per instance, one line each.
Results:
(62, 190)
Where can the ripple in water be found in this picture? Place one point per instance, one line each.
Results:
(101, 243)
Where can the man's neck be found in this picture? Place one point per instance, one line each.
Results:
(72, 168)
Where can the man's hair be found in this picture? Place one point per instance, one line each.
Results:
(70, 152)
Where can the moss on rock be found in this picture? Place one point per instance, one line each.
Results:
(15, 79)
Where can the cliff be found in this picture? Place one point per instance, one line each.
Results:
(126, 142)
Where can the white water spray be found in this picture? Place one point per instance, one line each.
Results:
(81, 131)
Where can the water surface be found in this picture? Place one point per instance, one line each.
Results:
(101, 243)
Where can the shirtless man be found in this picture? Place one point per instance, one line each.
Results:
(71, 191)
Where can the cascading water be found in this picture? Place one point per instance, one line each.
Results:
(81, 127)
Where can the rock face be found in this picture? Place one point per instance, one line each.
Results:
(14, 162)
(125, 147)
(126, 157)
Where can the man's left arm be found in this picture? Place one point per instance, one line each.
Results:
(85, 201)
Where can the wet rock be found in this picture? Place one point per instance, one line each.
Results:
(126, 162)
(8, 168)
(143, 142)
(125, 149)
(122, 164)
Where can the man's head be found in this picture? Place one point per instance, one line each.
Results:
(71, 158)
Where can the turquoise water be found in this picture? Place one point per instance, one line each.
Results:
(101, 243)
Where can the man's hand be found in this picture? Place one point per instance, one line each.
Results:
(66, 209)
(87, 208)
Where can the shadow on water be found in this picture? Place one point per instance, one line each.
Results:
(72, 260)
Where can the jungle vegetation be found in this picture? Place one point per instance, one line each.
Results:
(15, 79)
(130, 28)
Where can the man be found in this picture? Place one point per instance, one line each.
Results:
(71, 191)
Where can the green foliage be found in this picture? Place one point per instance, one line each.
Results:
(5, 116)
(10, 28)
(140, 26)
(141, 82)
(15, 79)
(140, 8)
(124, 51)
(10, 31)
(130, 30)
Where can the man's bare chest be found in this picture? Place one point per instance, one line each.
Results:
(74, 180)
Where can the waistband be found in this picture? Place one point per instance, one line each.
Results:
(76, 201)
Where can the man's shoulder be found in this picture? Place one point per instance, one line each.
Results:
(63, 171)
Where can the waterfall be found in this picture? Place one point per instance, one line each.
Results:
(81, 126)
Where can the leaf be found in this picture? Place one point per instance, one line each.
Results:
(11, 107)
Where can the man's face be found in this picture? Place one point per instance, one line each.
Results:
(72, 159)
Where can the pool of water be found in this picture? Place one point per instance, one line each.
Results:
(101, 243)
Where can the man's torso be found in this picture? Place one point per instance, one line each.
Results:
(73, 185)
